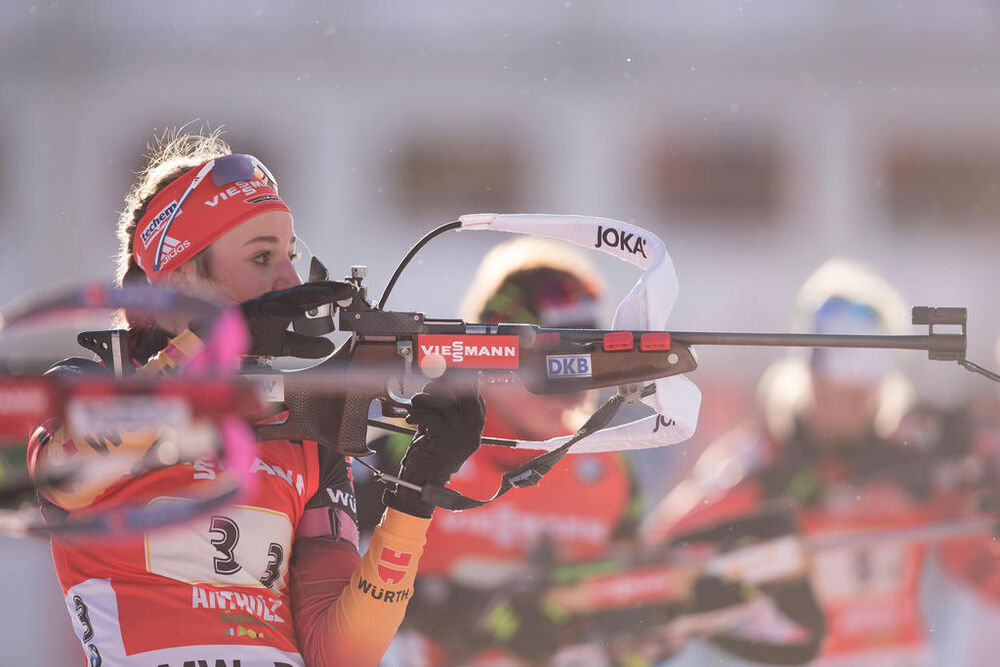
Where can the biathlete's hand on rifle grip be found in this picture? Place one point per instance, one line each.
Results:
(269, 315)
(449, 415)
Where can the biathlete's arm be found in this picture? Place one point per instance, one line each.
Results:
(346, 608)
(343, 618)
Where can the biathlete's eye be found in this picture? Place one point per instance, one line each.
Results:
(295, 255)
(262, 258)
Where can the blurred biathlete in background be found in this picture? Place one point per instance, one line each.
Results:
(829, 448)
(962, 584)
(582, 505)
(276, 579)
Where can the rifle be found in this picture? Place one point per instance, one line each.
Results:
(698, 584)
(390, 350)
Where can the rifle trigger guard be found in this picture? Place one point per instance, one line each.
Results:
(396, 399)
(395, 387)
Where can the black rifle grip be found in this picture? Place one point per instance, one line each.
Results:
(352, 437)
(318, 417)
(335, 419)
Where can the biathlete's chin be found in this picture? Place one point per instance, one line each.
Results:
(199, 287)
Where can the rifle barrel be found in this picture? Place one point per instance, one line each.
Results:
(921, 342)
(926, 534)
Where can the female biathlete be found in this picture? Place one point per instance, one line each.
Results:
(277, 579)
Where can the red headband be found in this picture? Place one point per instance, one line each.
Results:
(213, 207)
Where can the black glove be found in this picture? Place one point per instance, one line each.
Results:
(450, 419)
(268, 316)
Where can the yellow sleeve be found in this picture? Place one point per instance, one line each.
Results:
(366, 616)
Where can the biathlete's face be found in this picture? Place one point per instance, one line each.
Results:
(535, 416)
(841, 413)
(249, 260)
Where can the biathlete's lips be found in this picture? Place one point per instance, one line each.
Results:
(181, 221)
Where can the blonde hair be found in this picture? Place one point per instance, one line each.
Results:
(168, 156)
(785, 388)
(855, 282)
(523, 255)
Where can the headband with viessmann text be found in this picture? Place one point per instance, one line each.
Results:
(192, 212)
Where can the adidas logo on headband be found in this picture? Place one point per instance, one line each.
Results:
(171, 248)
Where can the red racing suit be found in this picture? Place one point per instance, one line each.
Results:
(274, 579)
(868, 592)
(975, 561)
(573, 514)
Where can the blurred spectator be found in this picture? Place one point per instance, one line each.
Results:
(827, 446)
(577, 510)
(962, 583)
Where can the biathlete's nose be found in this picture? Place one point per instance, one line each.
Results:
(287, 276)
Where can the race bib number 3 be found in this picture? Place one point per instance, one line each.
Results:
(238, 545)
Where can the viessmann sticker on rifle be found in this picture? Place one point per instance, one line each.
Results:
(459, 351)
